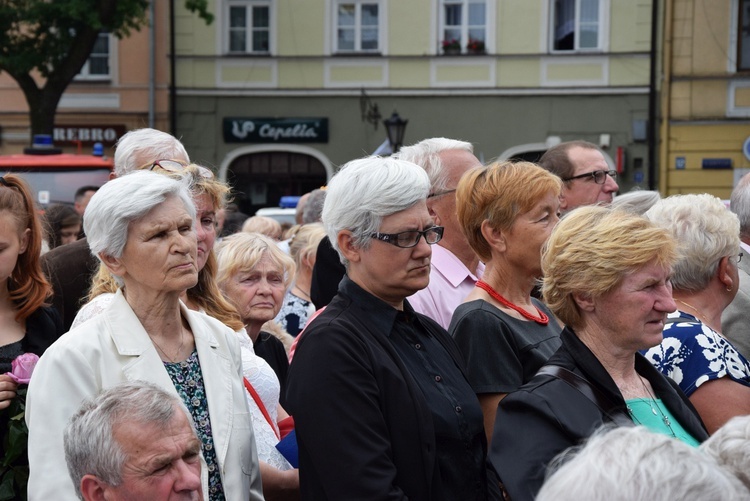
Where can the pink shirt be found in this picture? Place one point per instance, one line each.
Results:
(450, 283)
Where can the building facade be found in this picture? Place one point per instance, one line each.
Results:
(123, 86)
(706, 96)
(277, 94)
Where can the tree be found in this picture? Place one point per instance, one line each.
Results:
(45, 43)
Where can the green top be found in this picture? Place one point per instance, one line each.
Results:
(652, 413)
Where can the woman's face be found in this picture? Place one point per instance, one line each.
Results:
(69, 234)
(257, 293)
(160, 253)
(524, 241)
(12, 244)
(631, 316)
(205, 215)
(393, 273)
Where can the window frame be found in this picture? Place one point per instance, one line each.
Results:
(602, 29)
(357, 27)
(249, 29)
(85, 75)
(465, 27)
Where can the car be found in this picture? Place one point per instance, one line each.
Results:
(280, 214)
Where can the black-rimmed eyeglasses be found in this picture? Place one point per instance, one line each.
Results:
(409, 239)
(178, 167)
(440, 193)
(599, 176)
(739, 256)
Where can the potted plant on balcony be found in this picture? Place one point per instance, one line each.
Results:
(451, 46)
(475, 46)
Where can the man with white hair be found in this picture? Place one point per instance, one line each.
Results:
(455, 267)
(69, 268)
(735, 321)
(133, 441)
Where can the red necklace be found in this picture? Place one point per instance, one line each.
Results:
(542, 319)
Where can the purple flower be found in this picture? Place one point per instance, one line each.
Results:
(22, 367)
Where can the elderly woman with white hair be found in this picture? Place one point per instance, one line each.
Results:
(708, 368)
(142, 227)
(626, 464)
(381, 404)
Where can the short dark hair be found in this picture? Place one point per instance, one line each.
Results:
(557, 161)
(80, 192)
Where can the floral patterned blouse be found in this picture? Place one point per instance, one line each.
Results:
(692, 353)
(188, 380)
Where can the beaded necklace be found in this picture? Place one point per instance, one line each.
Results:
(542, 319)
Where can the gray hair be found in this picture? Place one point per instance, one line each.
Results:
(314, 206)
(740, 205)
(124, 200)
(633, 463)
(636, 201)
(140, 146)
(705, 231)
(365, 191)
(88, 439)
(426, 154)
(730, 447)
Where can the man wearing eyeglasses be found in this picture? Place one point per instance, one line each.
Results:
(588, 179)
(455, 266)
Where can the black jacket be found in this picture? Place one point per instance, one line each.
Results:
(546, 415)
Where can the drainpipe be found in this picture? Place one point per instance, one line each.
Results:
(172, 76)
(666, 88)
(151, 64)
(652, 116)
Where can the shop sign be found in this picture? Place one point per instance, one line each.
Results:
(66, 135)
(275, 130)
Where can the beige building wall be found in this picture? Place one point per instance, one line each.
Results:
(123, 100)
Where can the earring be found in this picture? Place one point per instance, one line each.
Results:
(729, 289)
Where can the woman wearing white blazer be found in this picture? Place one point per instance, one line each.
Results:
(141, 226)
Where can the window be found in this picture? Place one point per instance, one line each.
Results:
(463, 25)
(97, 65)
(249, 27)
(576, 25)
(743, 38)
(357, 26)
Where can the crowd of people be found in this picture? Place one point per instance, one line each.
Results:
(431, 329)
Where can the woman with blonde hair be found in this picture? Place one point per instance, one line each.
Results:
(253, 274)
(507, 211)
(265, 226)
(607, 278)
(705, 280)
(298, 307)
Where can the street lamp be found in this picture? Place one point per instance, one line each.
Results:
(395, 126)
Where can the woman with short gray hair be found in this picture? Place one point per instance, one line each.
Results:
(705, 280)
(381, 404)
(141, 226)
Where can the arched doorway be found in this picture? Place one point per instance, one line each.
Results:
(261, 175)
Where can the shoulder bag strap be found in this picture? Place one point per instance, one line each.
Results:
(589, 391)
(260, 405)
